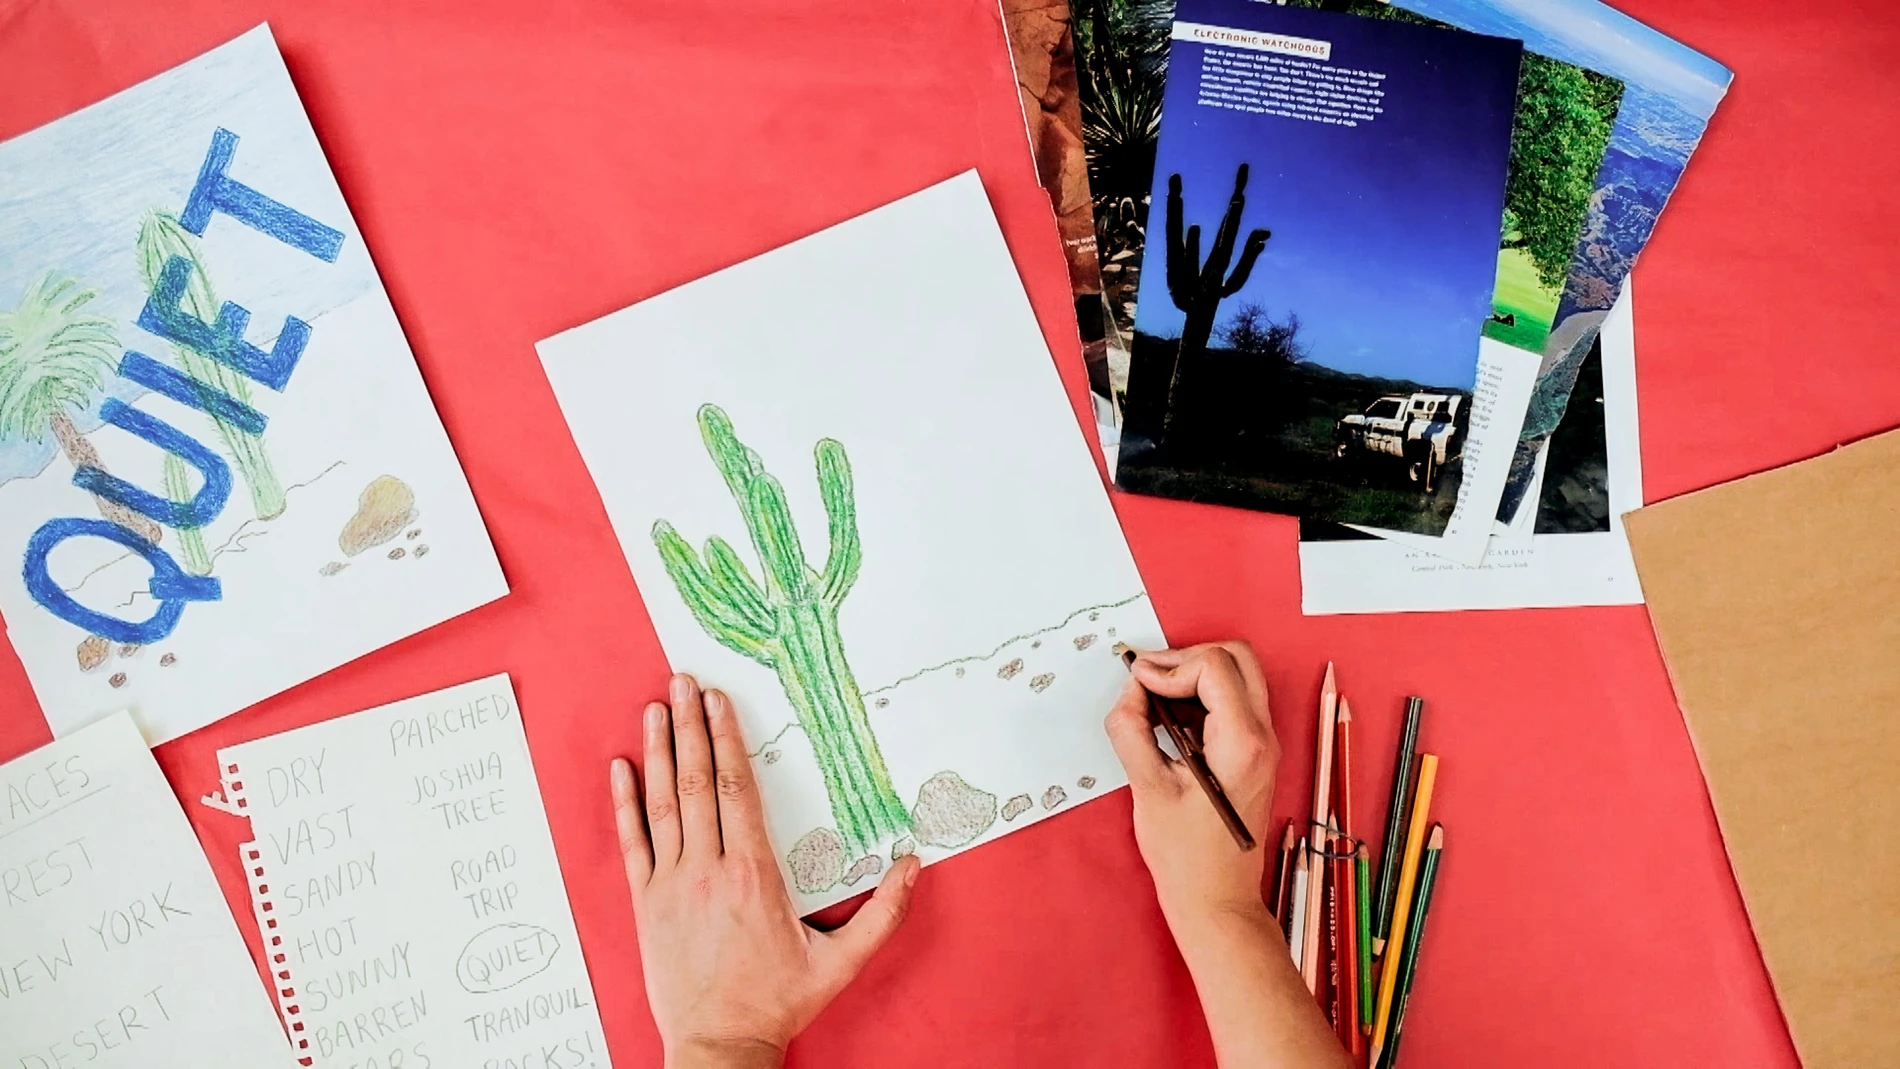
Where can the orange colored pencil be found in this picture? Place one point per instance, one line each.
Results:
(1402, 901)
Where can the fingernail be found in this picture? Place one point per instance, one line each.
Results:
(716, 703)
(682, 688)
(617, 771)
(656, 716)
(911, 876)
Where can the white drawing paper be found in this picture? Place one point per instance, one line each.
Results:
(221, 473)
(116, 946)
(407, 889)
(1531, 571)
(926, 666)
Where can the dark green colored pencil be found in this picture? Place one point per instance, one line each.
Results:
(1392, 850)
(1414, 933)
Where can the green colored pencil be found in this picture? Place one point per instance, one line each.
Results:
(1362, 873)
(1415, 932)
(1393, 849)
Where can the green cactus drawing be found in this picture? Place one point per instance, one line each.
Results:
(789, 623)
(162, 237)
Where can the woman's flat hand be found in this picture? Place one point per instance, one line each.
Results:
(732, 974)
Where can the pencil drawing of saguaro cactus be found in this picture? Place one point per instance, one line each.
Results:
(789, 621)
(162, 237)
(1197, 288)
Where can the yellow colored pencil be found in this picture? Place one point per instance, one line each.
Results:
(1402, 900)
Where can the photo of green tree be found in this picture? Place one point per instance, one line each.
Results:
(1558, 137)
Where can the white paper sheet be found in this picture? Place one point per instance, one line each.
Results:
(1503, 393)
(116, 946)
(403, 870)
(348, 523)
(1546, 570)
(994, 579)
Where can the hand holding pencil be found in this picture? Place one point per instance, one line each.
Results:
(1188, 848)
(1258, 1009)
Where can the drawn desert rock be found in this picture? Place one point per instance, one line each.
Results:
(816, 860)
(903, 848)
(1009, 670)
(868, 865)
(1017, 806)
(117, 680)
(93, 652)
(331, 568)
(1083, 642)
(1086, 783)
(168, 660)
(1053, 797)
(398, 553)
(1041, 682)
(384, 508)
(950, 812)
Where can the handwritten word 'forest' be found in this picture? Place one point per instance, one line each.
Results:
(214, 193)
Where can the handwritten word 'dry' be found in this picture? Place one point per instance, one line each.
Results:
(164, 314)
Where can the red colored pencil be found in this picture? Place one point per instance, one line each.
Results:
(1329, 964)
(1342, 770)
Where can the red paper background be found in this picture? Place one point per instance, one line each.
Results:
(521, 168)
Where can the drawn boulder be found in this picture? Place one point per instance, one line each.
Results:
(950, 812)
(384, 508)
(868, 865)
(817, 860)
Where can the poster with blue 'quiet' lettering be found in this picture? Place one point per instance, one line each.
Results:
(221, 473)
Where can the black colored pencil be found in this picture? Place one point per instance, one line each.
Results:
(1391, 850)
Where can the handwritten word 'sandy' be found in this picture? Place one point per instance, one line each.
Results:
(215, 193)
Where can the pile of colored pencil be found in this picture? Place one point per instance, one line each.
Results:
(1324, 896)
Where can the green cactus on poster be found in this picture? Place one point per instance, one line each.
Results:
(788, 622)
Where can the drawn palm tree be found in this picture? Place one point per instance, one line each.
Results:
(55, 357)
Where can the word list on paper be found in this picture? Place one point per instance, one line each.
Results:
(116, 946)
(407, 889)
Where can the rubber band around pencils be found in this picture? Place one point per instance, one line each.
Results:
(1313, 826)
